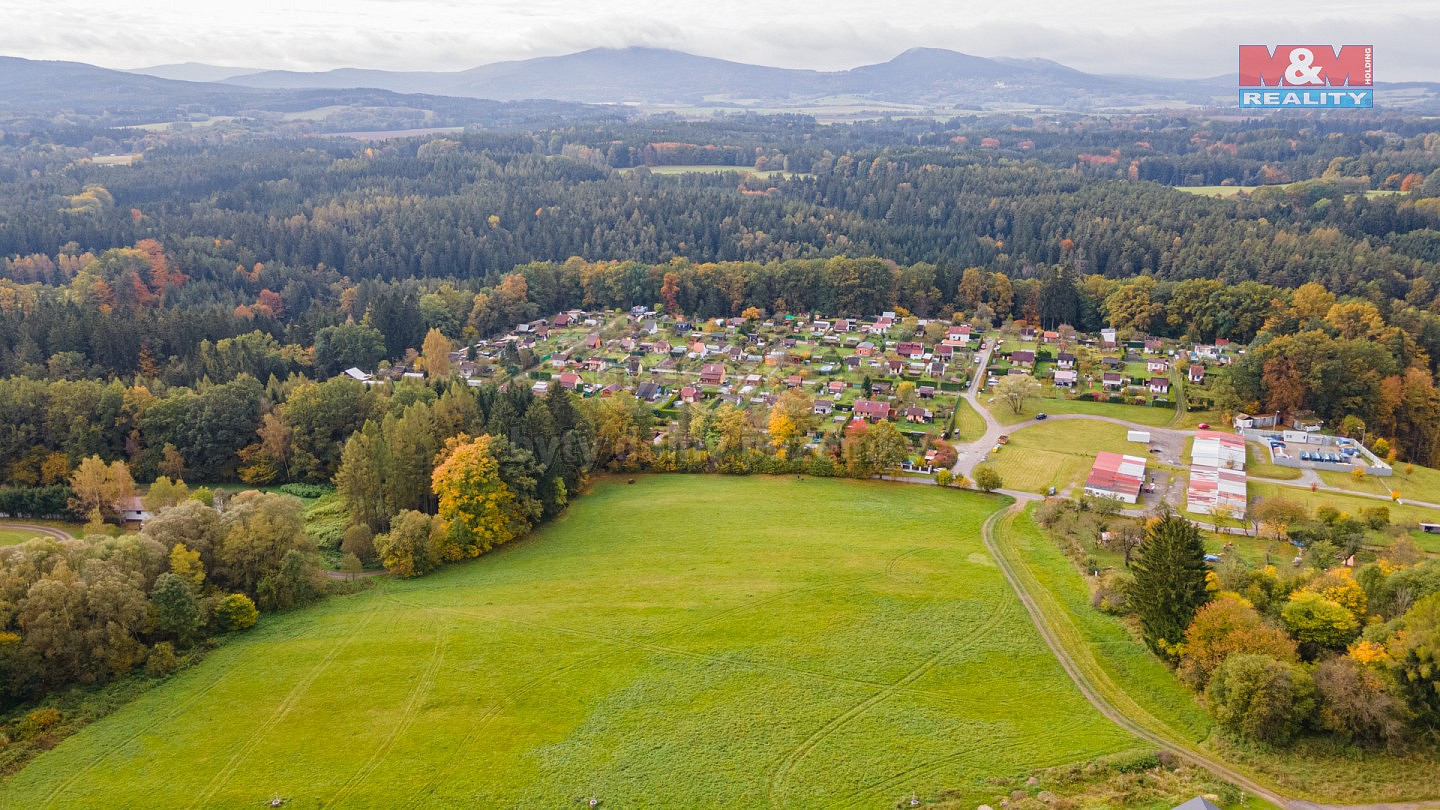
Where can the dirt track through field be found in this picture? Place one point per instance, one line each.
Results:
(1102, 705)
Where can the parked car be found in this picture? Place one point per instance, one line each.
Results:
(1042, 416)
(1204, 425)
(1004, 438)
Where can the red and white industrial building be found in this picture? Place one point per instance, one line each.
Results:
(1217, 475)
(1116, 476)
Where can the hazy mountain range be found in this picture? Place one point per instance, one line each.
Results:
(927, 76)
(918, 80)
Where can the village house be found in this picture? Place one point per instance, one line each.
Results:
(1065, 360)
(909, 348)
(1158, 366)
(1159, 385)
(918, 415)
(132, 510)
(836, 387)
(823, 407)
(1065, 378)
(871, 409)
(1112, 381)
(1152, 345)
(712, 374)
(925, 391)
(569, 380)
(1023, 358)
(1197, 373)
(690, 394)
(1108, 338)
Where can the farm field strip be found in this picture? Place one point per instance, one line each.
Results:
(687, 641)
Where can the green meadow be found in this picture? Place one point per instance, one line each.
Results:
(679, 642)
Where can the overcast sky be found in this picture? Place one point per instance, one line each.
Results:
(1163, 37)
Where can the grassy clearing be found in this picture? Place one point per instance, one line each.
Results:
(13, 537)
(1231, 191)
(1399, 513)
(1057, 454)
(969, 425)
(1138, 684)
(1155, 417)
(668, 170)
(688, 641)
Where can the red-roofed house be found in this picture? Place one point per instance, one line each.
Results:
(712, 374)
(871, 409)
(1197, 373)
(690, 394)
(569, 380)
(909, 348)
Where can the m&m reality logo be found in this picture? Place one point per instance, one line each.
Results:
(1306, 77)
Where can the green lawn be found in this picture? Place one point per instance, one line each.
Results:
(685, 642)
(1351, 504)
(969, 425)
(10, 536)
(13, 537)
(1142, 414)
(1057, 454)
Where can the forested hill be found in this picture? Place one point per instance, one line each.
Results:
(476, 205)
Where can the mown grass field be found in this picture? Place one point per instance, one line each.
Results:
(1141, 414)
(969, 425)
(1352, 504)
(683, 642)
(1058, 454)
(12, 532)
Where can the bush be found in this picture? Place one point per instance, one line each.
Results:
(37, 722)
(1357, 705)
(1318, 622)
(161, 661)
(1260, 698)
(988, 479)
(1111, 594)
(236, 612)
(309, 491)
(359, 541)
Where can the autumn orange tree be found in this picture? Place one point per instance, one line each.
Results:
(480, 511)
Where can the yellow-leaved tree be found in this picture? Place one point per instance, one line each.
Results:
(435, 352)
(479, 511)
